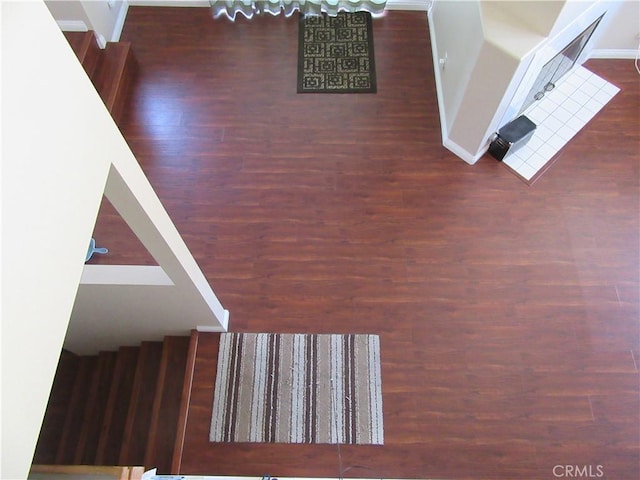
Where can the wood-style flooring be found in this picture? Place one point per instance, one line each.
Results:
(508, 313)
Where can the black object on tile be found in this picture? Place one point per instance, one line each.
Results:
(511, 137)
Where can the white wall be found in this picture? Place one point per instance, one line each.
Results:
(112, 313)
(621, 37)
(489, 80)
(461, 47)
(483, 45)
(105, 18)
(537, 16)
(53, 177)
(492, 58)
(70, 14)
(108, 316)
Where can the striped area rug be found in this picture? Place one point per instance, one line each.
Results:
(296, 388)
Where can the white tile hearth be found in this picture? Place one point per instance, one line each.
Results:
(559, 115)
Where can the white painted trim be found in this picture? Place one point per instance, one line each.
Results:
(131, 194)
(421, 5)
(438, 79)
(449, 144)
(125, 275)
(100, 40)
(444, 132)
(72, 25)
(122, 16)
(614, 53)
(224, 325)
(465, 155)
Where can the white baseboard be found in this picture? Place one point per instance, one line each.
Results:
(72, 25)
(100, 40)
(208, 329)
(614, 53)
(460, 152)
(422, 5)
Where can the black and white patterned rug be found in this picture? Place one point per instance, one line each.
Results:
(335, 54)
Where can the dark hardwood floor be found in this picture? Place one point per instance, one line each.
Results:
(508, 313)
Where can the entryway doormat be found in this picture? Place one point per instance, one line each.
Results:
(298, 388)
(335, 54)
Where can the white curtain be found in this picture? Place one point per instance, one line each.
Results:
(313, 7)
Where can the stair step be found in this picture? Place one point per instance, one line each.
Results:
(96, 403)
(127, 407)
(70, 433)
(57, 408)
(86, 49)
(136, 430)
(117, 406)
(176, 463)
(114, 76)
(166, 405)
(112, 69)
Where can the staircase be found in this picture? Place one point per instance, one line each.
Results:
(124, 407)
(111, 69)
(120, 408)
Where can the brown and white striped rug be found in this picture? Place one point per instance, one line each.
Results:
(297, 388)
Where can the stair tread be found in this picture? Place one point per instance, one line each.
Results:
(72, 427)
(57, 409)
(136, 429)
(166, 407)
(111, 70)
(79, 42)
(120, 407)
(86, 49)
(86, 448)
(117, 406)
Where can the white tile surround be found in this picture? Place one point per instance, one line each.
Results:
(559, 115)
